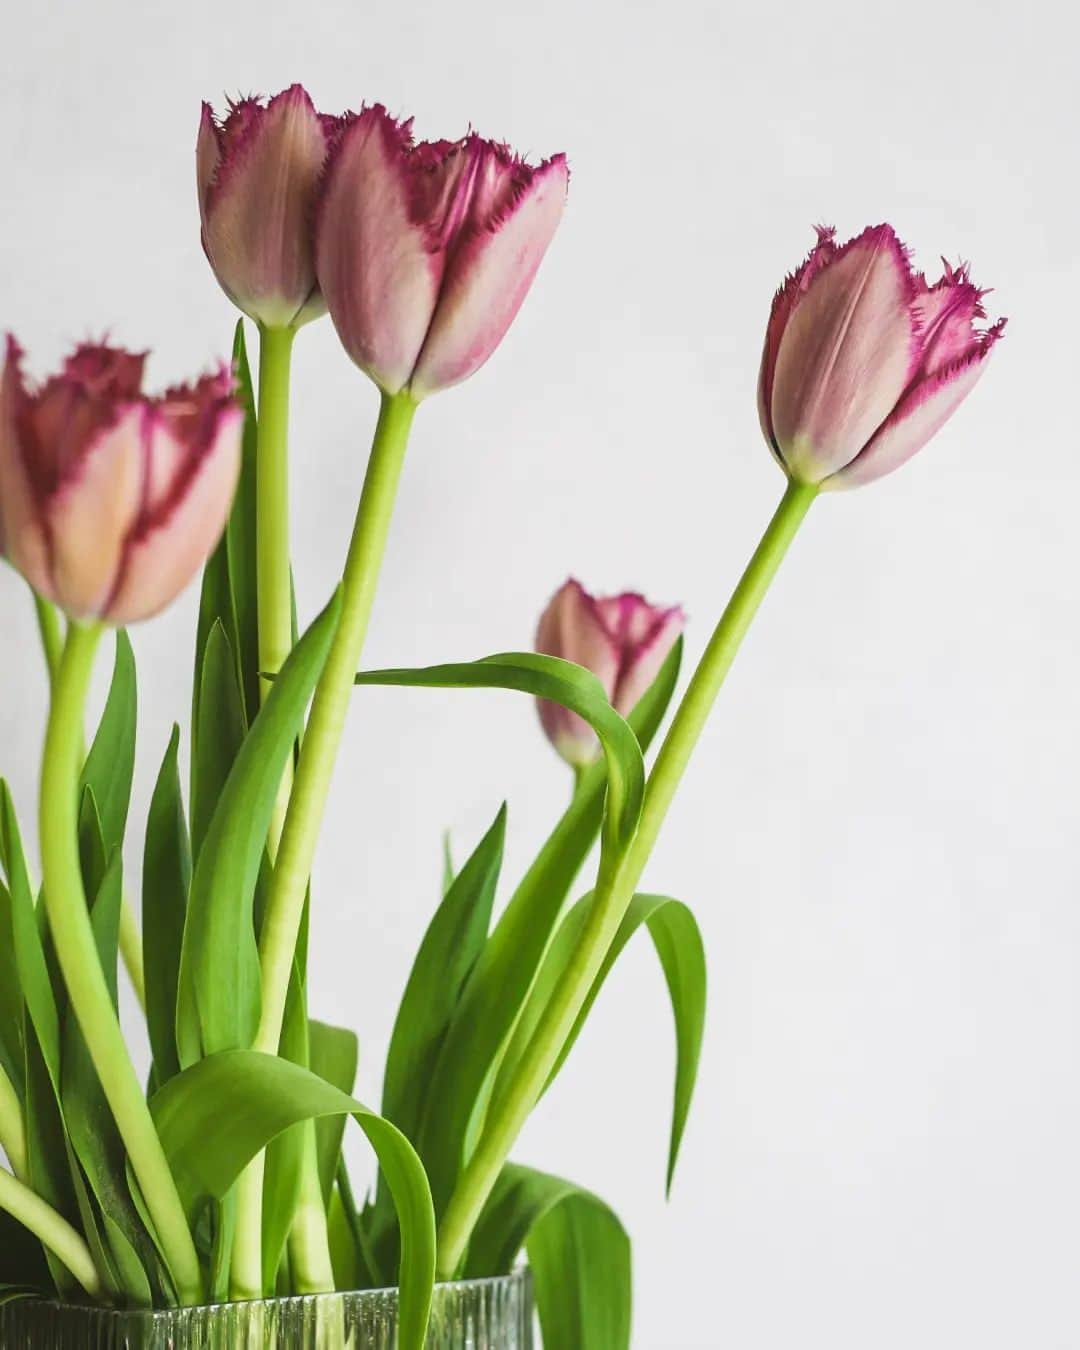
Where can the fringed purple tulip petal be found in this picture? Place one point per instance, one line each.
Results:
(622, 639)
(257, 173)
(377, 270)
(488, 277)
(845, 355)
(425, 252)
(110, 500)
(863, 361)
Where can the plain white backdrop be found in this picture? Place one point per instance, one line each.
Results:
(879, 831)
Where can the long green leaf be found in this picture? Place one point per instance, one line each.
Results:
(480, 1026)
(579, 1253)
(111, 762)
(166, 880)
(214, 1117)
(11, 999)
(33, 970)
(333, 1054)
(560, 682)
(677, 940)
(219, 733)
(449, 951)
(219, 997)
(239, 540)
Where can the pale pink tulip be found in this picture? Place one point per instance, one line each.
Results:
(110, 500)
(425, 252)
(622, 639)
(257, 171)
(864, 360)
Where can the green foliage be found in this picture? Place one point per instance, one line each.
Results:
(219, 998)
(215, 1116)
(578, 1251)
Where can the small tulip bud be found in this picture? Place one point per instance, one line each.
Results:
(622, 639)
(426, 252)
(864, 360)
(257, 171)
(110, 500)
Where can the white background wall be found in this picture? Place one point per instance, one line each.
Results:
(879, 832)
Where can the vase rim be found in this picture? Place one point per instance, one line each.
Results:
(518, 1275)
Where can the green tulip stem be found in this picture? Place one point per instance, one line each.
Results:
(76, 951)
(314, 771)
(12, 1127)
(274, 584)
(52, 637)
(52, 645)
(616, 890)
(51, 1229)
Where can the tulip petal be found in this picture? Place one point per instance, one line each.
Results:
(487, 279)
(172, 540)
(647, 652)
(919, 415)
(947, 313)
(256, 197)
(90, 514)
(573, 628)
(845, 356)
(22, 536)
(784, 302)
(375, 265)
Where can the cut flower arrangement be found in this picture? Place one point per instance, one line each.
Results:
(221, 1179)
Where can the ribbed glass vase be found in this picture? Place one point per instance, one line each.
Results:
(471, 1315)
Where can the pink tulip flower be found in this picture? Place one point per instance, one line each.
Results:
(257, 172)
(622, 639)
(110, 500)
(425, 252)
(864, 360)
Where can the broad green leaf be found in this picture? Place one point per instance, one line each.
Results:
(448, 953)
(111, 762)
(491, 1000)
(677, 940)
(579, 1254)
(11, 999)
(34, 978)
(93, 857)
(219, 734)
(333, 1054)
(239, 540)
(50, 1170)
(214, 1117)
(166, 880)
(219, 997)
(560, 682)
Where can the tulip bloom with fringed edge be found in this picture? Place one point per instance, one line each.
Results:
(111, 500)
(864, 360)
(425, 252)
(622, 639)
(257, 171)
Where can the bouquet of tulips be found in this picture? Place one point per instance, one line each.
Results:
(222, 1176)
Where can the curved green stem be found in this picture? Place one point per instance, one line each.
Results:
(76, 950)
(51, 1229)
(12, 1127)
(52, 638)
(614, 893)
(52, 645)
(315, 767)
(274, 604)
(296, 849)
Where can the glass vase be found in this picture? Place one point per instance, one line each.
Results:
(469, 1315)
